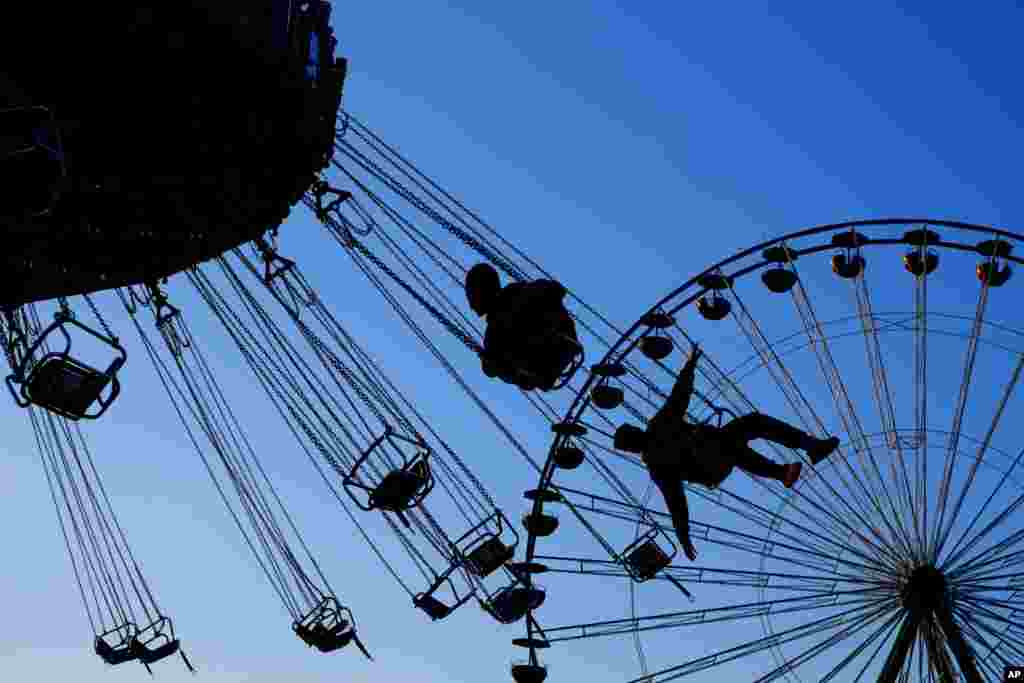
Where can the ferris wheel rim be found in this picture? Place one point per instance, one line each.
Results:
(629, 339)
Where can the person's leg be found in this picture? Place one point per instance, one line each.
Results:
(749, 460)
(759, 426)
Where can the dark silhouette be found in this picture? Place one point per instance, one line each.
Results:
(531, 338)
(675, 450)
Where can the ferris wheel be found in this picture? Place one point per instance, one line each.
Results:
(895, 559)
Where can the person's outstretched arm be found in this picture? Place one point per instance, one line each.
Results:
(679, 400)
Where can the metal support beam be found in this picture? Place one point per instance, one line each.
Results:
(900, 650)
(957, 644)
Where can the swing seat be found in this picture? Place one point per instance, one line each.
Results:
(512, 603)
(62, 384)
(326, 639)
(647, 560)
(150, 655)
(401, 489)
(326, 627)
(434, 608)
(487, 557)
(114, 655)
(67, 387)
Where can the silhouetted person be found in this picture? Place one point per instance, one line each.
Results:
(675, 450)
(531, 338)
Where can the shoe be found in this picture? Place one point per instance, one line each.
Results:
(791, 474)
(821, 449)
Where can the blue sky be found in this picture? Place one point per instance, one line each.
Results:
(626, 148)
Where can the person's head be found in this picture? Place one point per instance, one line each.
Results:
(482, 287)
(630, 438)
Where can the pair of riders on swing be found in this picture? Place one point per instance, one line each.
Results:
(531, 341)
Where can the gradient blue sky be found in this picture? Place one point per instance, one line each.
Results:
(625, 146)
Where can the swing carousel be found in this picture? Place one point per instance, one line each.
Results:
(893, 560)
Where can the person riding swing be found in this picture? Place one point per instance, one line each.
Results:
(531, 338)
(675, 451)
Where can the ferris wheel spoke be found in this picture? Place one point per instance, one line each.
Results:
(810, 653)
(849, 601)
(985, 609)
(935, 544)
(980, 633)
(886, 410)
(800, 551)
(996, 556)
(808, 629)
(783, 379)
(817, 492)
(882, 635)
(1002, 634)
(921, 404)
(956, 552)
(977, 462)
(771, 521)
(778, 581)
(875, 488)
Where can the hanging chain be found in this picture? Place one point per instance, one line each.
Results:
(457, 332)
(325, 353)
(13, 336)
(175, 342)
(460, 234)
(65, 307)
(103, 323)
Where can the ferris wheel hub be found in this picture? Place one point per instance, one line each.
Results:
(925, 590)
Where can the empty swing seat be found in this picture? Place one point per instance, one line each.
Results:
(66, 386)
(647, 560)
(487, 557)
(59, 383)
